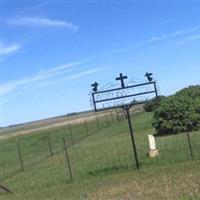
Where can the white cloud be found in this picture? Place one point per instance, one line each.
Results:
(156, 39)
(71, 77)
(43, 78)
(41, 22)
(178, 32)
(85, 73)
(8, 49)
(38, 78)
(189, 39)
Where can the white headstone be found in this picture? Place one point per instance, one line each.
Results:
(152, 143)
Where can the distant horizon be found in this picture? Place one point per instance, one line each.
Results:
(71, 113)
(51, 52)
(50, 117)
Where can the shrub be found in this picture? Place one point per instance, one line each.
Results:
(179, 113)
(192, 92)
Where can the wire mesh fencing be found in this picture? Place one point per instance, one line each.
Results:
(112, 153)
(96, 147)
(20, 153)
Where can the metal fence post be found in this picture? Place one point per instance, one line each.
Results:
(107, 121)
(112, 117)
(132, 137)
(68, 161)
(97, 124)
(70, 133)
(189, 144)
(49, 144)
(20, 156)
(117, 116)
(5, 189)
(86, 127)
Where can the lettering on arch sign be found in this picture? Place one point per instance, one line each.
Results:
(132, 94)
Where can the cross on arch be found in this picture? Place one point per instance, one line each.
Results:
(121, 78)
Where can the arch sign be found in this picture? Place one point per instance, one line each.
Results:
(125, 97)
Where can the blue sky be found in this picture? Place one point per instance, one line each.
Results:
(51, 51)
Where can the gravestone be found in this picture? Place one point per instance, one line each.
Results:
(153, 152)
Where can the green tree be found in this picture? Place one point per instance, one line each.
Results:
(179, 113)
(191, 92)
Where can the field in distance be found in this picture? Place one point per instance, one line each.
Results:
(102, 163)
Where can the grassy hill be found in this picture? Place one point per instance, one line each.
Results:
(102, 163)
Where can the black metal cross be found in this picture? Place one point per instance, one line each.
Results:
(121, 78)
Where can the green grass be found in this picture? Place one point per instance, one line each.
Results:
(35, 147)
(103, 166)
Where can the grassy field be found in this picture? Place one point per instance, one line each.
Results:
(102, 164)
(36, 147)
